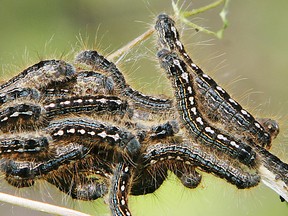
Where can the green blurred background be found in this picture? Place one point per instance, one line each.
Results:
(251, 61)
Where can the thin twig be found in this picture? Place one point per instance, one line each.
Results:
(271, 181)
(122, 51)
(39, 206)
(184, 14)
(203, 9)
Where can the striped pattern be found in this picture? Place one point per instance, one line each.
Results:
(198, 128)
(190, 155)
(218, 104)
(98, 62)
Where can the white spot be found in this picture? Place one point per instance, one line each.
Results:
(78, 101)
(185, 77)
(232, 101)
(65, 103)
(123, 201)
(122, 188)
(102, 134)
(50, 105)
(126, 169)
(244, 112)
(176, 62)
(206, 76)
(118, 101)
(90, 100)
(221, 137)
(193, 109)
(115, 137)
(179, 44)
(4, 119)
(92, 133)
(178, 158)
(209, 130)
(15, 114)
(82, 131)
(173, 29)
(220, 89)
(187, 162)
(189, 90)
(59, 133)
(233, 143)
(191, 99)
(240, 123)
(199, 120)
(28, 113)
(72, 130)
(102, 100)
(257, 125)
(194, 66)
(153, 162)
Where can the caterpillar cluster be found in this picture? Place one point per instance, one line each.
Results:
(81, 127)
